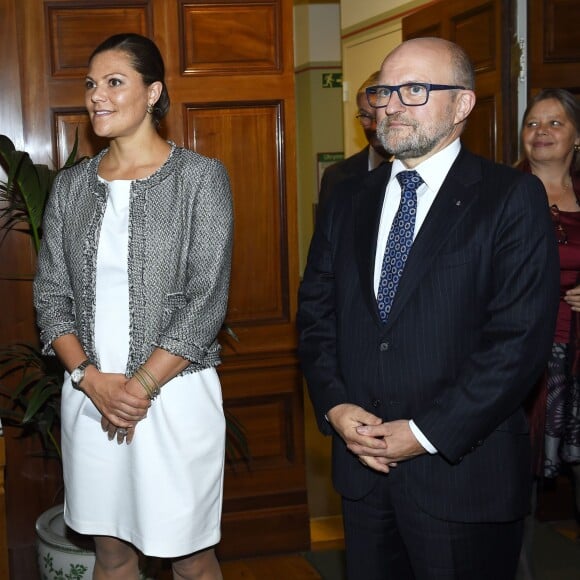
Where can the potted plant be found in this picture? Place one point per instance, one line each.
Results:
(33, 400)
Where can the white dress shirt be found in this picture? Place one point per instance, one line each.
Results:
(433, 172)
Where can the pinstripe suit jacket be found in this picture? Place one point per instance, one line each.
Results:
(469, 332)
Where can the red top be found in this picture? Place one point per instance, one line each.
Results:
(569, 271)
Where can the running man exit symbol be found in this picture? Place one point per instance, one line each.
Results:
(331, 80)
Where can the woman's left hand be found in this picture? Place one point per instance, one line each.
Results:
(572, 297)
(113, 431)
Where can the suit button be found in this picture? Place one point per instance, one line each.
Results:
(384, 346)
(376, 403)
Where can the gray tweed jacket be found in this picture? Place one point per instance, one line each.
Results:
(180, 244)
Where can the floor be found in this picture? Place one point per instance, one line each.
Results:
(555, 550)
(556, 556)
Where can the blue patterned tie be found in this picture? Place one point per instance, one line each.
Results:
(399, 242)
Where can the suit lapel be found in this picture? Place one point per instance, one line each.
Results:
(367, 207)
(451, 203)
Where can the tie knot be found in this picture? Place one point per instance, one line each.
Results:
(409, 180)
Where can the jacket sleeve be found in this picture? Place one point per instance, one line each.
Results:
(516, 337)
(316, 322)
(193, 326)
(53, 296)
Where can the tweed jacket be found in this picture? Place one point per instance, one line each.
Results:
(179, 256)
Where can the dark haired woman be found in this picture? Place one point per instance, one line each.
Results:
(131, 292)
(550, 138)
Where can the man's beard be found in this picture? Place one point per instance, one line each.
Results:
(418, 141)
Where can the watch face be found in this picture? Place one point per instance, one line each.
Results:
(76, 375)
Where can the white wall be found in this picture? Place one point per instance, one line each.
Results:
(353, 12)
(362, 55)
(316, 33)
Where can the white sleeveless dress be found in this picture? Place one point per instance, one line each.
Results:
(163, 492)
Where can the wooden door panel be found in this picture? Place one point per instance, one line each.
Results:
(554, 49)
(68, 125)
(74, 32)
(230, 76)
(475, 31)
(476, 25)
(233, 39)
(260, 248)
(480, 134)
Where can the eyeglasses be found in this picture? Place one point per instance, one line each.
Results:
(410, 94)
(561, 234)
(365, 119)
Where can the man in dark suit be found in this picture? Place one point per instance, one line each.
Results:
(426, 313)
(358, 165)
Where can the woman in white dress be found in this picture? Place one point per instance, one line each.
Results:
(131, 292)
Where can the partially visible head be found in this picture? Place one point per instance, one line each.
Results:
(367, 115)
(414, 133)
(551, 128)
(146, 59)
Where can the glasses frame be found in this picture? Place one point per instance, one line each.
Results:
(397, 89)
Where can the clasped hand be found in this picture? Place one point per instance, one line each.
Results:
(378, 445)
(121, 402)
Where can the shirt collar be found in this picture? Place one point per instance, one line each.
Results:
(433, 170)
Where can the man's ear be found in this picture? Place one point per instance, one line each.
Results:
(464, 105)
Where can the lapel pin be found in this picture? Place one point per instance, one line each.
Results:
(457, 202)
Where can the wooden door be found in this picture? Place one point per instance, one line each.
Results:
(231, 82)
(554, 47)
(484, 29)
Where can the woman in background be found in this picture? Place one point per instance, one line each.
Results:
(550, 138)
(131, 292)
(551, 142)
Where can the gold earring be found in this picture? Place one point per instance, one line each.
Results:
(150, 109)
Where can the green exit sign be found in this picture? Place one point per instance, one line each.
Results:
(331, 80)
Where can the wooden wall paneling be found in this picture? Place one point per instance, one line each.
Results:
(477, 26)
(477, 30)
(69, 125)
(4, 565)
(230, 74)
(269, 490)
(10, 103)
(238, 39)
(554, 50)
(480, 135)
(73, 33)
(260, 242)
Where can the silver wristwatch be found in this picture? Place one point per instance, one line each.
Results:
(78, 374)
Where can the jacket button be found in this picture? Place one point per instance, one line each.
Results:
(384, 346)
(376, 403)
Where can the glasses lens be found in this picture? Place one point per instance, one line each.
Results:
(378, 96)
(413, 94)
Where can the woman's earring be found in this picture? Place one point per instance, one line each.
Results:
(576, 147)
(150, 109)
